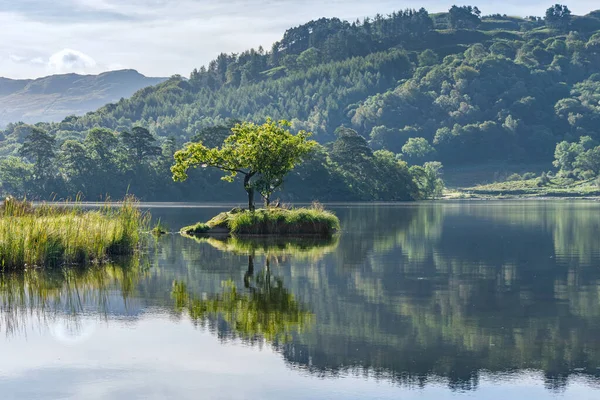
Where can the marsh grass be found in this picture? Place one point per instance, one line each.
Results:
(55, 235)
(271, 221)
(159, 229)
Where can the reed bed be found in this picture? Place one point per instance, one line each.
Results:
(63, 234)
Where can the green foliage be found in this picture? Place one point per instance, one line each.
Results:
(543, 180)
(140, 144)
(16, 176)
(465, 17)
(429, 179)
(39, 148)
(159, 229)
(513, 178)
(264, 154)
(416, 150)
(195, 230)
(558, 17)
(268, 311)
(300, 247)
(581, 159)
(428, 58)
(492, 89)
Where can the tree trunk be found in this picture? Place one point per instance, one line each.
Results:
(249, 190)
(267, 201)
(250, 272)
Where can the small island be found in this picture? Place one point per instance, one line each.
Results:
(263, 155)
(269, 221)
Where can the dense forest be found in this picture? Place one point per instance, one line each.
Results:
(382, 96)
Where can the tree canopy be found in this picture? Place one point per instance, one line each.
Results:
(263, 154)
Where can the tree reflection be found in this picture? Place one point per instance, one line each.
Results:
(263, 309)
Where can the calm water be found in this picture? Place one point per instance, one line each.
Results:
(427, 301)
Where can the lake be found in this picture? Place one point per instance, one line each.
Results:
(447, 300)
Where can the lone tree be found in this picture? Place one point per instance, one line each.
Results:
(558, 17)
(263, 154)
(465, 17)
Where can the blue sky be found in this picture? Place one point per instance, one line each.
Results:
(166, 37)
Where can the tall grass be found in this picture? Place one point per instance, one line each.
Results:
(276, 221)
(53, 235)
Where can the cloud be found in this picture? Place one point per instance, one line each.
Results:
(166, 37)
(17, 59)
(62, 11)
(68, 60)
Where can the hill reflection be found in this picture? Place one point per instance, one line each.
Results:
(409, 294)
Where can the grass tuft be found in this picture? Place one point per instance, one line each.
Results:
(55, 235)
(159, 229)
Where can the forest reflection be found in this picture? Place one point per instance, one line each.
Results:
(409, 293)
(451, 290)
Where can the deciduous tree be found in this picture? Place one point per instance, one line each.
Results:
(263, 154)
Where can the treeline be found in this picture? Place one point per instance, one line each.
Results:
(109, 164)
(458, 87)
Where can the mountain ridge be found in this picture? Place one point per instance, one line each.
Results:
(54, 97)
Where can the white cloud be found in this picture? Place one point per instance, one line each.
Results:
(38, 61)
(16, 59)
(68, 60)
(165, 37)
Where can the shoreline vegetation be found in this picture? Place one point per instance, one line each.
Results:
(537, 188)
(314, 221)
(59, 234)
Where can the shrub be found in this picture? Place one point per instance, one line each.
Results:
(587, 175)
(543, 180)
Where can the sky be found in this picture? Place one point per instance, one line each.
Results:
(167, 37)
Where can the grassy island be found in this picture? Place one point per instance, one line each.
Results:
(269, 221)
(55, 235)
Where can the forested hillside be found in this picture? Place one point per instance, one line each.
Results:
(456, 87)
(52, 98)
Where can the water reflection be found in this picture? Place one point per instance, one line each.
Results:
(264, 309)
(410, 293)
(46, 296)
(451, 291)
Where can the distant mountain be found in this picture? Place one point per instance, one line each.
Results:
(52, 98)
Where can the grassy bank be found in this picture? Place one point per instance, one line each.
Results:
(53, 235)
(552, 187)
(271, 221)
